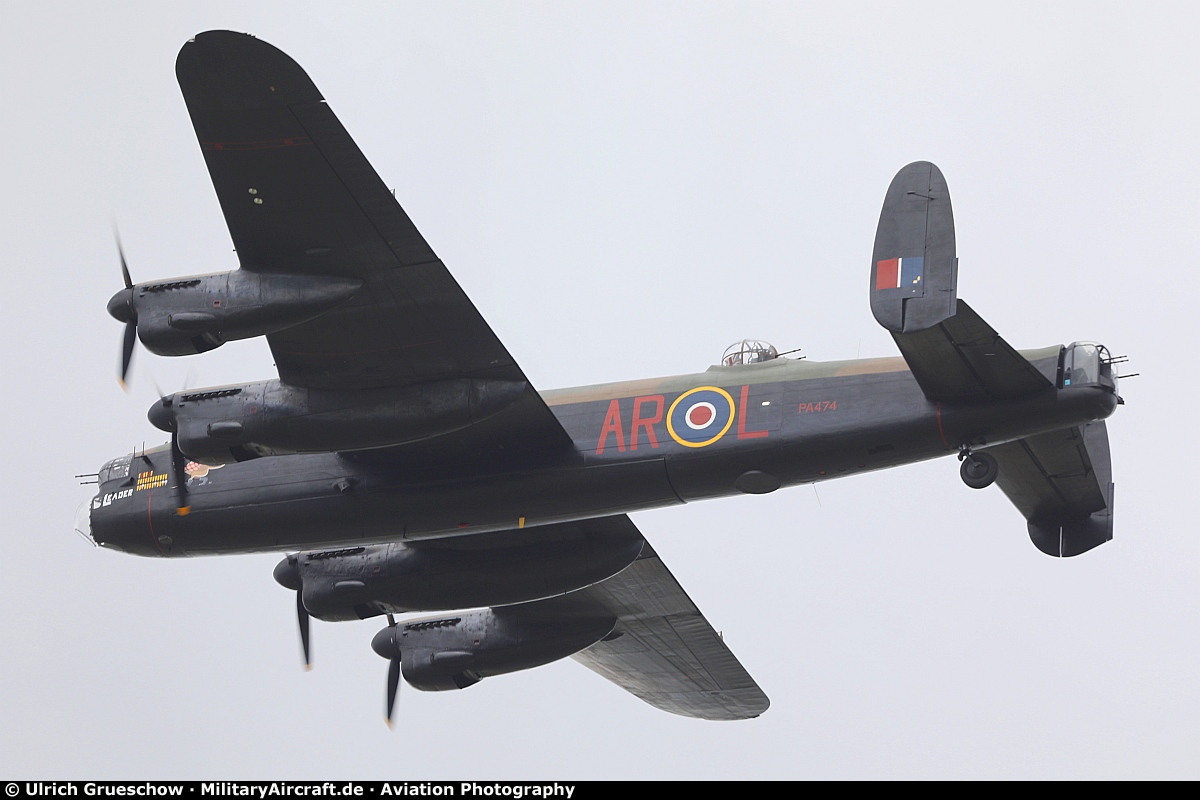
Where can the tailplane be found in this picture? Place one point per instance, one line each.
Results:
(1061, 482)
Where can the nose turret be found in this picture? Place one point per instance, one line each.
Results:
(83, 520)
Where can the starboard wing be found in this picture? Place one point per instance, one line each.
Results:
(662, 649)
(299, 197)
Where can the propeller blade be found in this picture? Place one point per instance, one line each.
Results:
(121, 306)
(393, 688)
(121, 253)
(303, 620)
(127, 351)
(180, 477)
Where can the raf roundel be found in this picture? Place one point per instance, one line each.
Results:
(700, 416)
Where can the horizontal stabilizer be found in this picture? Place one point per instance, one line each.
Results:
(963, 359)
(1061, 482)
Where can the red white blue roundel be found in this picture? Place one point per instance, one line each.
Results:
(700, 416)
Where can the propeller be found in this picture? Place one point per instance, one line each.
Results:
(303, 619)
(179, 475)
(162, 416)
(287, 575)
(121, 308)
(393, 688)
(387, 645)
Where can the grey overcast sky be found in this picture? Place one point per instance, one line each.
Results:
(623, 189)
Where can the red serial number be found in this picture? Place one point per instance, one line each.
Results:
(820, 405)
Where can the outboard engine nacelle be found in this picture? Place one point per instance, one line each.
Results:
(192, 315)
(459, 651)
(237, 423)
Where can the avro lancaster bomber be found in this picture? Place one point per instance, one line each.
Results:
(404, 462)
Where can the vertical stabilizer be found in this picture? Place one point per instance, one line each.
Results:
(914, 271)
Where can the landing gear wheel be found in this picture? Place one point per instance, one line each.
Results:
(979, 470)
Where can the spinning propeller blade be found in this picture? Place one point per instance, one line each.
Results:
(287, 575)
(124, 266)
(127, 351)
(303, 620)
(121, 308)
(179, 476)
(387, 645)
(393, 688)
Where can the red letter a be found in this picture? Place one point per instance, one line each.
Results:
(612, 424)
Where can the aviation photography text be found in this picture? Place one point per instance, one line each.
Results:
(264, 789)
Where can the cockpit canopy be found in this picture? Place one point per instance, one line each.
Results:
(748, 351)
(117, 469)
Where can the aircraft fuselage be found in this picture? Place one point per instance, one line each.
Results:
(637, 445)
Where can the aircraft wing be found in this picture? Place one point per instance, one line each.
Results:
(299, 197)
(662, 649)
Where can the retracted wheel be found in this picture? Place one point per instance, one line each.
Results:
(979, 470)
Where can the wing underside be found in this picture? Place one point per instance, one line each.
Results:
(299, 197)
(662, 649)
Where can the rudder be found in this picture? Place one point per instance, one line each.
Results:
(914, 269)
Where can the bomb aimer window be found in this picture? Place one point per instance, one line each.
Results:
(748, 351)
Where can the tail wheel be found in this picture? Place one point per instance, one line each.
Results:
(979, 470)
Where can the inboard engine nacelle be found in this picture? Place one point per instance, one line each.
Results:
(185, 316)
(507, 568)
(238, 423)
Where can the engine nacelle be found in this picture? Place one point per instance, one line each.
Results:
(192, 315)
(237, 423)
(489, 570)
(459, 651)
